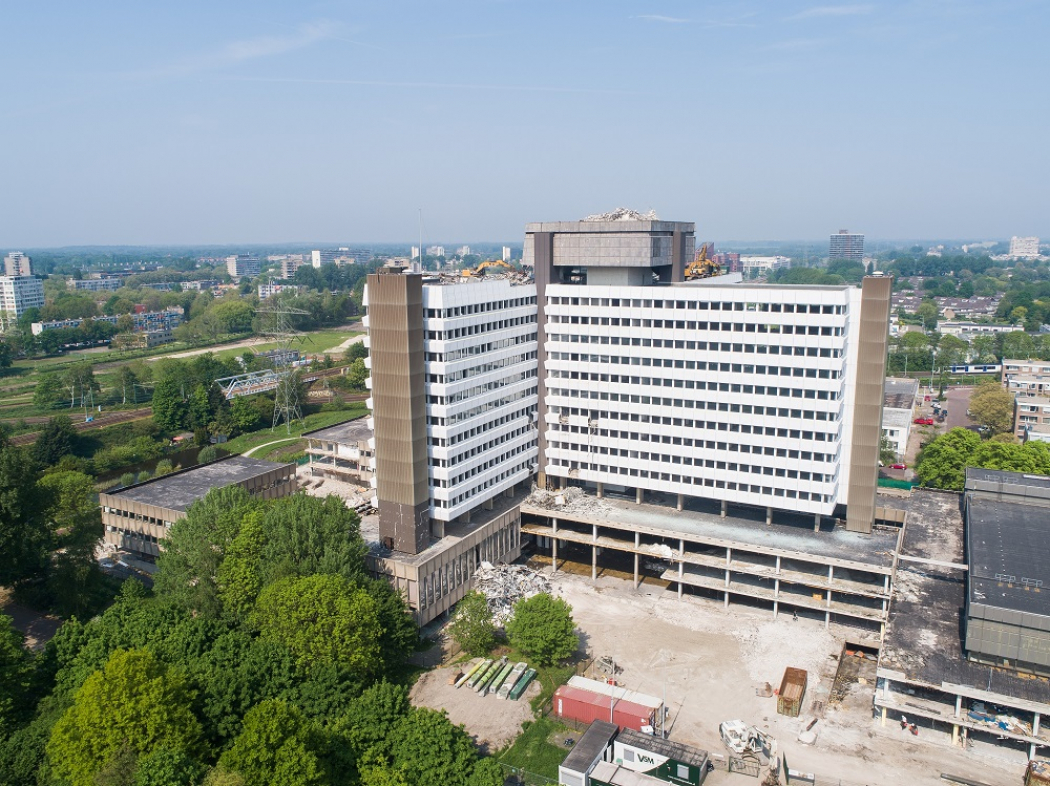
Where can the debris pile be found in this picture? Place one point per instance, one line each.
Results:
(571, 498)
(623, 214)
(505, 585)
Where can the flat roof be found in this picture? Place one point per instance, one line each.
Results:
(1008, 555)
(686, 754)
(351, 432)
(590, 746)
(181, 489)
(900, 393)
(608, 772)
(923, 642)
(895, 418)
(1017, 479)
(832, 542)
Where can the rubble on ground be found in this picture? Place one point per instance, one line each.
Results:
(505, 585)
(572, 498)
(623, 214)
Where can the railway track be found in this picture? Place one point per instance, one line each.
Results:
(99, 421)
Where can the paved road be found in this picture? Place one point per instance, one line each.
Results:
(957, 403)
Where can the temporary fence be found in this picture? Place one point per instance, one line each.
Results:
(515, 776)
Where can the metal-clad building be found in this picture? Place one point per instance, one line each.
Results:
(1008, 586)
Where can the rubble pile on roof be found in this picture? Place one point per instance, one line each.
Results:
(505, 585)
(568, 499)
(624, 214)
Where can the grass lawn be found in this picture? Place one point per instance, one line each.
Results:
(313, 422)
(534, 752)
(311, 344)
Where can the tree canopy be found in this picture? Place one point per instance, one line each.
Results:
(472, 626)
(542, 628)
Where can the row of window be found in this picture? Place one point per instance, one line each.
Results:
(477, 330)
(479, 349)
(680, 324)
(466, 455)
(697, 384)
(732, 466)
(131, 535)
(481, 368)
(481, 390)
(481, 409)
(799, 414)
(479, 308)
(725, 327)
(702, 305)
(523, 466)
(488, 425)
(734, 427)
(728, 485)
(482, 467)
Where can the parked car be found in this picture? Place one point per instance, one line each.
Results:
(924, 421)
(898, 466)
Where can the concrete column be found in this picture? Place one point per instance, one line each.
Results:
(488, 504)
(508, 493)
(681, 501)
(769, 516)
(725, 507)
(594, 552)
(1031, 751)
(776, 595)
(727, 600)
(886, 583)
(958, 706)
(637, 545)
(955, 734)
(554, 546)
(639, 496)
(816, 523)
(601, 490)
(883, 716)
(778, 564)
(1035, 725)
(831, 574)
(827, 614)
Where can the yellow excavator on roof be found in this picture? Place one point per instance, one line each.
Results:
(487, 265)
(702, 267)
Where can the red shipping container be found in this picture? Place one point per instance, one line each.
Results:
(586, 707)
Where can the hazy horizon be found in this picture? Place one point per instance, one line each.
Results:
(206, 124)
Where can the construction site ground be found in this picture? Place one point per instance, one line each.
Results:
(713, 664)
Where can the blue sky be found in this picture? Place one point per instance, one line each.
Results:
(191, 122)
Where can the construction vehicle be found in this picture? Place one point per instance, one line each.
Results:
(743, 739)
(702, 267)
(486, 265)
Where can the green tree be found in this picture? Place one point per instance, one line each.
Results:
(278, 747)
(428, 748)
(15, 676)
(127, 379)
(356, 375)
(48, 391)
(992, 405)
(169, 407)
(356, 351)
(208, 453)
(7, 355)
(322, 619)
(942, 463)
(357, 726)
(134, 702)
(542, 628)
(472, 627)
(76, 524)
(25, 538)
(57, 439)
(887, 454)
(187, 569)
(927, 312)
(199, 412)
(168, 767)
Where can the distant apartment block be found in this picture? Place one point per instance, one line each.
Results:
(729, 262)
(506, 254)
(435, 251)
(18, 294)
(268, 290)
(338, 256)
(846, 245)
(95, 284)
(17, 264)
(752, 266)
(203, 285)
(1024, 247)
(1031, 413)
(290, 263)
(463, 251)
(168, 319)
(243, 266)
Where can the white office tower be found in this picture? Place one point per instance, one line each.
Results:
(454, 393)
(506, 254)
(243, 266)
(741, 393)
(18, 294)
(18, 264)
(1024, 247)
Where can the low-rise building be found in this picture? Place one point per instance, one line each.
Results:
(137, 518)
(142, 322)
(896, 428)
(967, 329)
(1030, 412)
(95, 284)
(342, 452)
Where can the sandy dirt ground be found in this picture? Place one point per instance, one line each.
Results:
(710, 663)
(339, 350)
(248, 342)
(493, 722)
(36, 627)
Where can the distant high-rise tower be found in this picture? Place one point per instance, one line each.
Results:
(846, 246)
(506, 253)
(18, 264)
(1020, 247)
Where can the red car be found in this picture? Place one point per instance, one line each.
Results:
(898, 466)
(924, 421)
